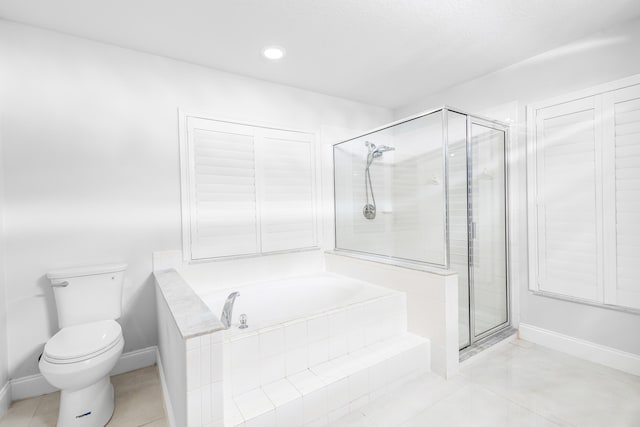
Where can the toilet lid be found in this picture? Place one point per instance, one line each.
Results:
(83, 341)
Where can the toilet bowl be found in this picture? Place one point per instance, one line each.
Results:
(78, 360)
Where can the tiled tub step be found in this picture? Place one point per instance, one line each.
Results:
(254, 358)
(330, 390)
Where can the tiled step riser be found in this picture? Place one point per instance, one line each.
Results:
(338, 397)
(270, 354)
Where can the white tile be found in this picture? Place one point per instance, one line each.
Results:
(205, 365)
(328, 372)
(193, 343)
(281, 392)
(338, 394)
(263, 420)
(355, 339)
(245, 379)
(272, 368)
(360, 402)
(338, 345)
(290, 414)
(337, 414)
(318, 328)
(357, 419)
(194, 408)
(378, 377)
(481, 408)
(295, 335)
(349, 364)
(358, 384)
(296, 360)
(217, 362)
(355, 315)
(315, 405)
(244, 351)
(318, 352)
(232, 415)
(217, 337)
(206, 404)
(253, 404)
(193, 369)
(320, 422)
(306, 382)
(217, 402)
(271, 342)
(337, 321)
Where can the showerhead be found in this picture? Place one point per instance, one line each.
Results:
(375, 151)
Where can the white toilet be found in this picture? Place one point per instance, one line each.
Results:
(79, 358)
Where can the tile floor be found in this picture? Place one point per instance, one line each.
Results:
(516, 384)
(138, 403)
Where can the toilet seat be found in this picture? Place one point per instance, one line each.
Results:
(81, 342)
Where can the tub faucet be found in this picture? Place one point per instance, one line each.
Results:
(227, 310)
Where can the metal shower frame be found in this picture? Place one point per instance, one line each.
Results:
(438, 268)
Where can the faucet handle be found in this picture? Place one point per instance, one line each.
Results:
(243, 322)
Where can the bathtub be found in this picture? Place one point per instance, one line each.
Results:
(270, 303)
(316, 348)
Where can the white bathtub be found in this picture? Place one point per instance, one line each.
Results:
(274, 302)
(317, 347)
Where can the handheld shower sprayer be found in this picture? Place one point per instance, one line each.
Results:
(374, 152)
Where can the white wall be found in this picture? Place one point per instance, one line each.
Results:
(603, 57)
(92, 170)
(3, 295)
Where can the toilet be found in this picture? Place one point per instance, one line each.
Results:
(79, 358)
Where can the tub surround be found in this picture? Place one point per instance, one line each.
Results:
(314, 368)
(190, 313)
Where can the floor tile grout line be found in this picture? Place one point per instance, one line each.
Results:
(545, 415)
(517, 403)
(152, 421)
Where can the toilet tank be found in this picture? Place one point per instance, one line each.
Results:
(88, 294)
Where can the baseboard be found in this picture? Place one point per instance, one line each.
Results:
(135, 359)
(30, 386)
(607, 356)
(168, 409)
(5, 398)
(36, 385)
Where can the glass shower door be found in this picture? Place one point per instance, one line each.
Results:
(487, 229)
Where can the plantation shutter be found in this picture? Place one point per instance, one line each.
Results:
(623, 185)
(569, 200)
(287, 197)
(223, 189)
(250, 189)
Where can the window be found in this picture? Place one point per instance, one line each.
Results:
(584, 175)
(246, 189)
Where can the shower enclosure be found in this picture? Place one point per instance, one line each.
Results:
(430, 191)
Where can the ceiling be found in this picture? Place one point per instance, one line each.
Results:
(381, 52)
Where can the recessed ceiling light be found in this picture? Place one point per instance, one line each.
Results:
(273, 52)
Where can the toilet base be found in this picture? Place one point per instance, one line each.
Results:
(88, 407)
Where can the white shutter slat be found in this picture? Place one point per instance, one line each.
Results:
(224, 193)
